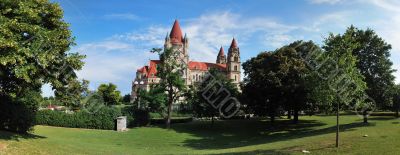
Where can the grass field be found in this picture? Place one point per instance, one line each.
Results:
(315, 134)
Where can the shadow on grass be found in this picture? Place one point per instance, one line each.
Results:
(261, 152)
(238, 133)
(381, 118)
(6, 135)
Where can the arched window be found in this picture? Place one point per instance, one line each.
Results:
(235, 68)
(236, 58)
(235, 77)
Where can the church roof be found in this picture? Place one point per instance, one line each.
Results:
(204, 66)
(221, 51)
(176, 33)
(151, 70)
(234, 44)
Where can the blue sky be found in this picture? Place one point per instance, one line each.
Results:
(117, 35)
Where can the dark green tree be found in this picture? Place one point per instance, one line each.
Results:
(110, 94)
(282, 79)
(195, 98)
(126, 99)
(34, 45)
(374, 64)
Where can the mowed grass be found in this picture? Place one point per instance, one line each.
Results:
(315, 134)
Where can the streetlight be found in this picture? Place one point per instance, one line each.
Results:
(137, 92)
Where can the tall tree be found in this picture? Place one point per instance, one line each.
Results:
(110, 94)
(34, 45)
(374, 64)
(201, 107)
(170, 71)
(72, 94)
(281, 79)
(344, 80)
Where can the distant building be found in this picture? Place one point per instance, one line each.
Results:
(195, 72)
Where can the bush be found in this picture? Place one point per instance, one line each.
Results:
(173, 120)
(142, 117)
(18, 114)
(104, 118)
(128, 111)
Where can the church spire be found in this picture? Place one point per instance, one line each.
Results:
(221, 59)
(221, 52)
(234, 44)
(176, 33)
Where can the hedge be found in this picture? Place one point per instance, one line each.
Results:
(104, 118)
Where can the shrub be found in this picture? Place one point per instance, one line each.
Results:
(18, 114)
(173, 120)
(142, 117)
(104, 118)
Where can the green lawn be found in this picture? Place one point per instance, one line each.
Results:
(315, 134)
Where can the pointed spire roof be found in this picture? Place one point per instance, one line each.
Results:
(221, 51)
(176, 33)
(234, 44)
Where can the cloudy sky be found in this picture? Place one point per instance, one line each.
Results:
(116, 36)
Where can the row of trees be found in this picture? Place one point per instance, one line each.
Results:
(76, 95)
(351, 71)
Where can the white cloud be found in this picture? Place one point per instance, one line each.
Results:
(123, 16)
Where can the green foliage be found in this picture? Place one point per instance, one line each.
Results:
(142, 117)
(34, 45)
(104, 118)
(19, 114)
(170, 71)
(199, 104)
(281, 79)
(72, 94)
(373, 61)
(110, 94)
(154, 100)
(126, 99)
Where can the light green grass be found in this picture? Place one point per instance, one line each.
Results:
(315, 134)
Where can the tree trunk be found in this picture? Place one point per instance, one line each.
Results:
(397, 110)
(272, 118)
(365, 117)
(295, 114)
(212, 121)
(168, 122)
(337, 125)
(296, 117)
(289, 114)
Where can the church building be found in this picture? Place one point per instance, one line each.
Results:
(195, 71)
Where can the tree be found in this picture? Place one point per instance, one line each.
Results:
(396, 99)
(199, 104)
(110, 94)
(282, 79)
(72, 94)
(170, 71)
(34, 45)
(126, 99)
(345, 80)
(261, 88)
(374, 64)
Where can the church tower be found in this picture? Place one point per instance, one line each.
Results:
(221, 59)
(180, 44)
(233, 63)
